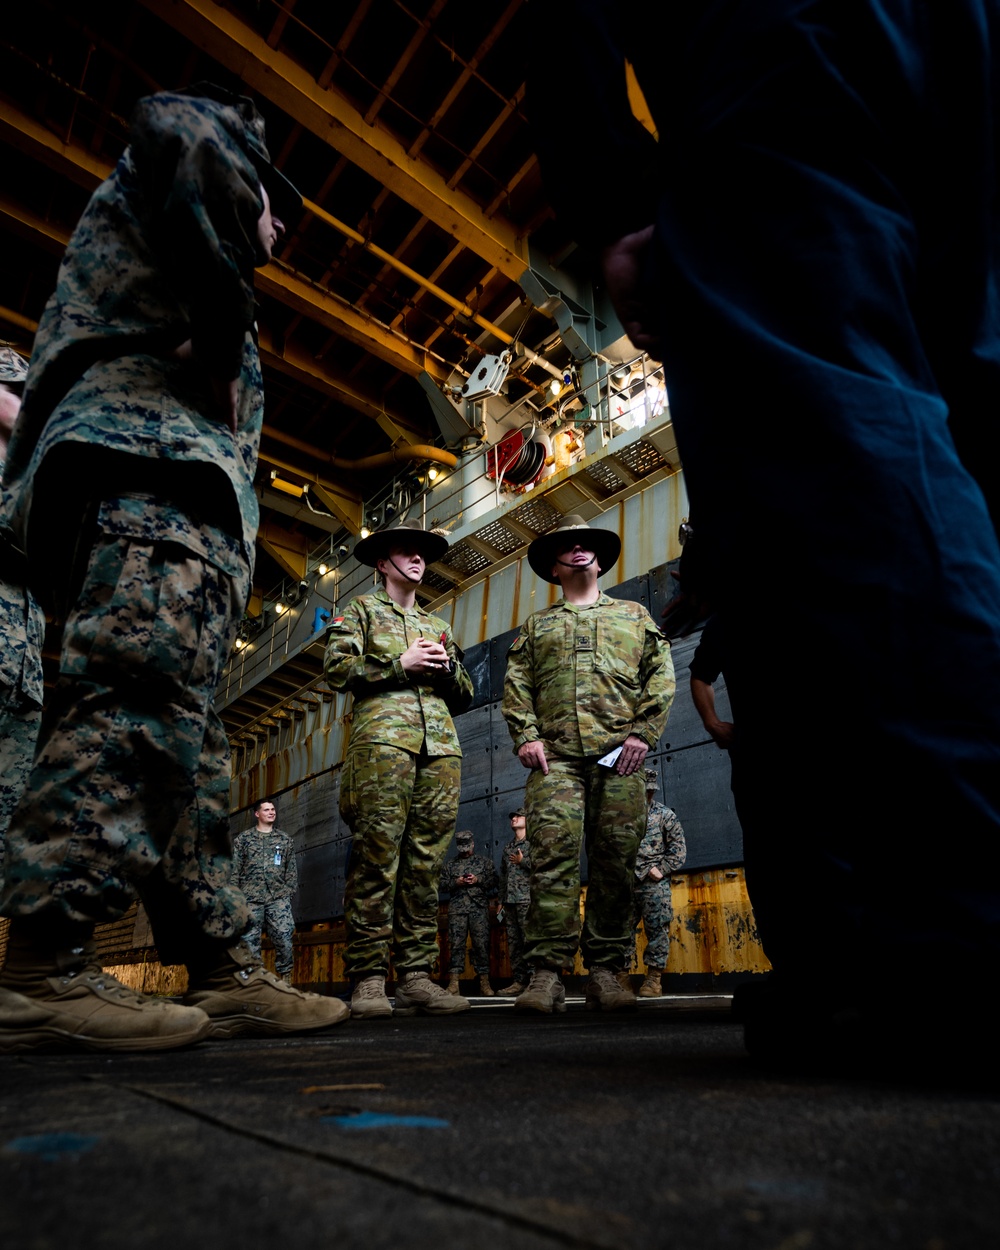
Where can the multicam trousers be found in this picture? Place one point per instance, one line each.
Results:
(277, 921)
(401, 809)
(130, 784)
(476, 923)
(582, 802)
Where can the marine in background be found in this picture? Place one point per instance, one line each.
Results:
(264, 868)
(469, 880)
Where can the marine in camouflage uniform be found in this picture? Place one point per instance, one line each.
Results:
(515, 895)
(584, 677)
(468, 905)
(399, 786)
(662, 851)
(264, 868)
(22, 627)
(141, 420)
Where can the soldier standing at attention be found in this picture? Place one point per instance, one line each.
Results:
(661, 852)
(22, 627)
(470, 879)
(131, 477)
(587, 678)
(264, 869)
(515, 891)
(400, 782)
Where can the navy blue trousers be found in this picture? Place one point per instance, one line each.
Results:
(826, 262)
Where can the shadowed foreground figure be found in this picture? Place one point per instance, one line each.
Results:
(831, 342)
(131, 479)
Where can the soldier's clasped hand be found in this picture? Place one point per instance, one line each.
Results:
(424, 656)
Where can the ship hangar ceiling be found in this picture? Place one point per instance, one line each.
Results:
(403, 124)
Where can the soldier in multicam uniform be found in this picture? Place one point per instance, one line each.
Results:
(515, 893)
(264, 868)
(22, 626)
(469, 879)
(587, 677)
(400, 782)
(661, 852)
(131, 472)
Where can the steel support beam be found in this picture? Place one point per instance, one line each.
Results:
(74, 162)
(331, 118)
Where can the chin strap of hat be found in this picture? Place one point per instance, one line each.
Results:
(403, 572)
(566, 564)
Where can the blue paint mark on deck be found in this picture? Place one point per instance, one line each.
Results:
(375, 1119)
(52, 1147)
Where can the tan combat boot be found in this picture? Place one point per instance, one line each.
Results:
(369, 1000)
(512, 990)
(60, 998)
(624, 979)
(452, 986)
(605, 994)
(545, 993)
(417, 992)
(650, 988)
(484, 985)
(241, 997)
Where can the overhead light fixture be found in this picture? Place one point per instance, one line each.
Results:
(288, 488)
(433, 474)
(364, 531)
(280, 607)
(322, 569)
(240, 643)
(555, 388)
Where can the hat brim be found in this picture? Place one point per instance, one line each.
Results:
(285, 197)
(377, 546)
(605, 544)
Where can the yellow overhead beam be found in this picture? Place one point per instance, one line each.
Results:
(73, 161)
(341, 317)
(290, 551)
(68, 159)
(328, 115)
(346, 507)
(302, 367)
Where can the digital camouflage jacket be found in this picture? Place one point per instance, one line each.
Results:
(467, 898)
(663, 845)
(163, 255)
(264, 865)
(515, 879)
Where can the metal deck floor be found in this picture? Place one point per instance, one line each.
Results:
(649, 1129)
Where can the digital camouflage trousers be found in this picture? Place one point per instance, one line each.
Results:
(276, 920)
(653, 906)
(130, 784)
(477, 924)
(515, 919)
(20, 719)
